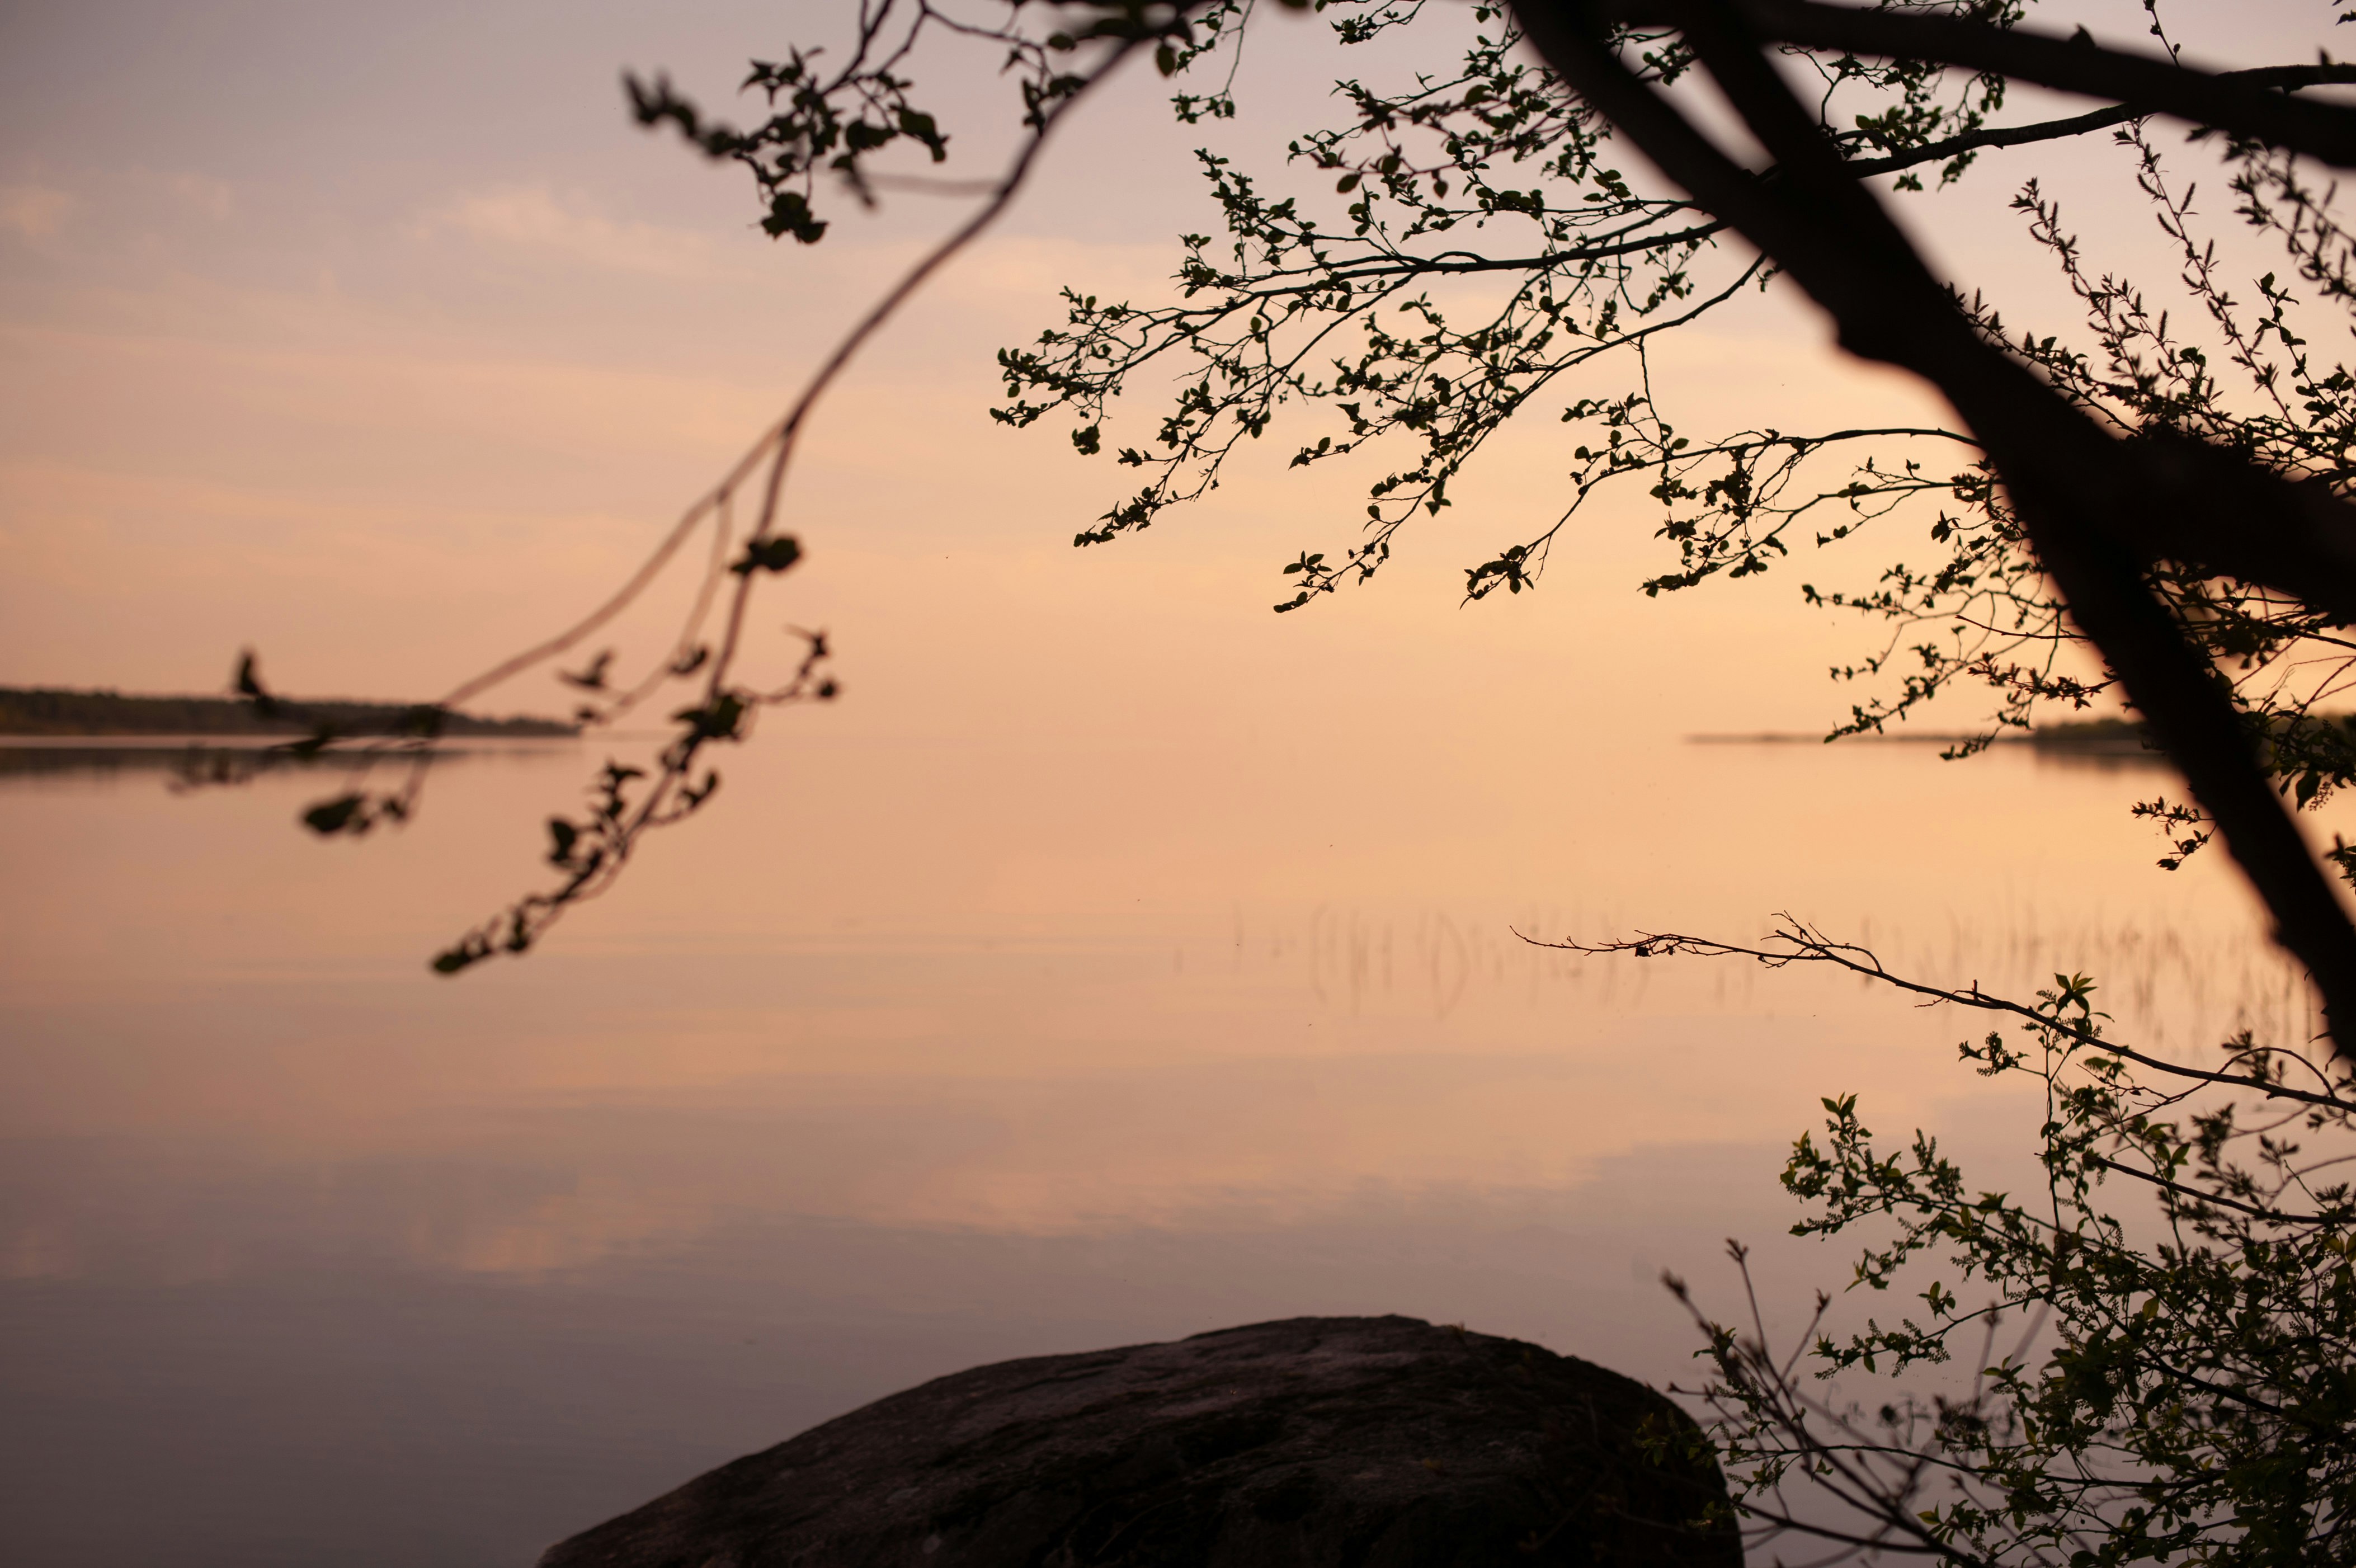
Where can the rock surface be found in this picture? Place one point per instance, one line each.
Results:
(1315, 1443)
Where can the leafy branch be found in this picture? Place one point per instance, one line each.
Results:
(590, 850)
(2168, 1385)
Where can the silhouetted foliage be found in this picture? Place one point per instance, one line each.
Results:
(2171, 1386)
(836, 122)
(1466, 249)
(1466, 244)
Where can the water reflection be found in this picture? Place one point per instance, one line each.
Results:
(318, 1401)
(328, 1260)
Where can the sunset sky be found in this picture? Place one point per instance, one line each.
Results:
(1117, 960)
(380, 338)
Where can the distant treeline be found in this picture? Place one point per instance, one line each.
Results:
(37, 710)
(2107, 736)
(2090, 735)
(2079, 735)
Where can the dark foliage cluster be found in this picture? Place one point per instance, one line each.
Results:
(2151, 1356)
(1479, 248)
(1482, 247)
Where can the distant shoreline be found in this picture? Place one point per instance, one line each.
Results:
(55, 713)
(2116, 737)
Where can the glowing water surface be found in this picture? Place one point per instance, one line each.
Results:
(908, 1058)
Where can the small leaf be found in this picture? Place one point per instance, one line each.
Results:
(592, 679)
(776, 553)
(342, 813)
(789, 214)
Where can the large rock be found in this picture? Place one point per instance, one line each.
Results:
(1316, 1443)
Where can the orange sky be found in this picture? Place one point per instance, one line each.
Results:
(378, 339)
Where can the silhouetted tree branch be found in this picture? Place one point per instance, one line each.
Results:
(2108, 1387)
(592, 849)
(2098, 507)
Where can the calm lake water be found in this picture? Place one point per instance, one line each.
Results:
(908, 1058)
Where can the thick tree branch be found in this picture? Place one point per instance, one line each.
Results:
(1992, 136)
(2229, 101)
(2079, 125)
(2098, 508)
(2155, 499)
